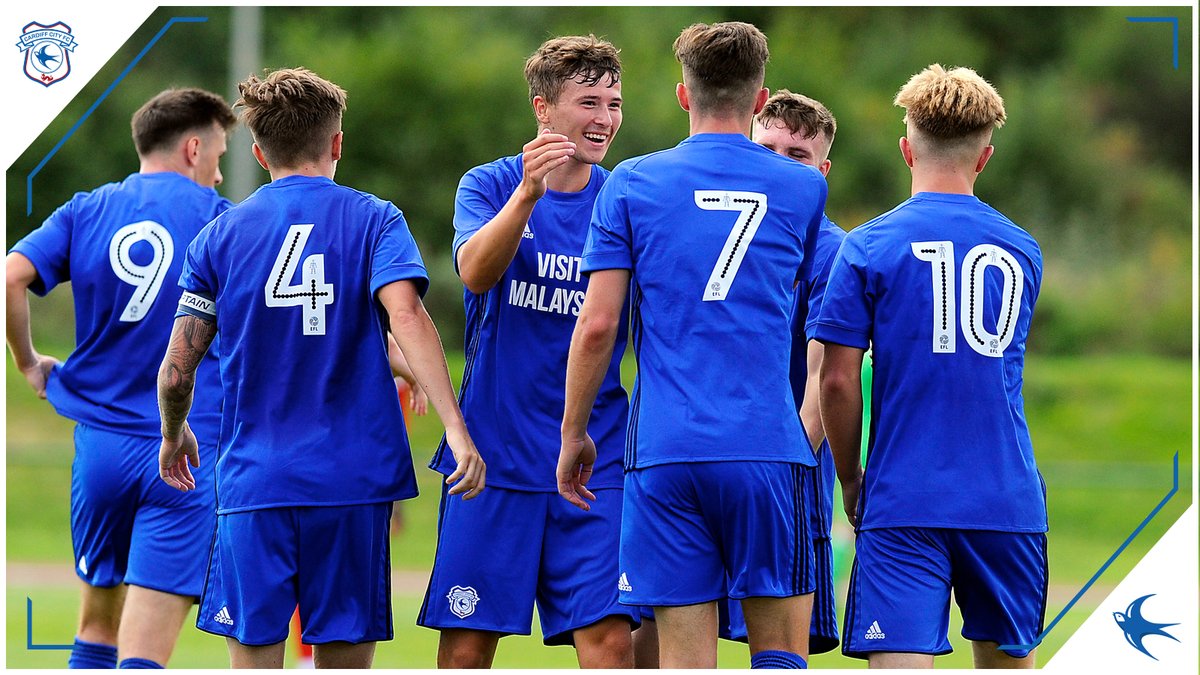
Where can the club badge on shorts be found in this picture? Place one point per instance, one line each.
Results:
(47, 51)
(462, 601)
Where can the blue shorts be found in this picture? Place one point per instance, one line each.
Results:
(698, 532)
(127, 525)
(503, 551)
(334, 561)
(899, 598)
(823, 629)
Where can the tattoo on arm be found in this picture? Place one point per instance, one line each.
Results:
(190, 340)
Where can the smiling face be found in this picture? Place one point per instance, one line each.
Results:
(588, 115)
(777, 138)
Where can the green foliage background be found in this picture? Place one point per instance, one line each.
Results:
(1095, 160)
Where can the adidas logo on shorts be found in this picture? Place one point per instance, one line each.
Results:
(83, 564)
(623, 583)
(223, 617)
(875, 632)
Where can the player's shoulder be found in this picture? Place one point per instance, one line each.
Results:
(98, 195)
(503, 171)
(364, 199)
(315, 192)
(880, 224)
(1012, 231)
(642, 162)
(830, 228)
(830, 233)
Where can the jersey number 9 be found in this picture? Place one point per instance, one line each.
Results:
(147, 279)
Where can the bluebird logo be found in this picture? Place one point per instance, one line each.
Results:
(1136, 627)
(47, 51)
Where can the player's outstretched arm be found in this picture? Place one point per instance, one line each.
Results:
(810, 407)
(591, 352)
(191, 337)
(484, 257)
(841, 412)
(19, 274)
(422, 347)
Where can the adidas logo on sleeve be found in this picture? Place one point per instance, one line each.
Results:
(875, 632)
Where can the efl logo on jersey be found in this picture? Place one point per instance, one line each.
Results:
(47, 51)
(462, 601)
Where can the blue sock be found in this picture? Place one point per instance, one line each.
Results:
(774, 658)
(92, 655)
(134, 662)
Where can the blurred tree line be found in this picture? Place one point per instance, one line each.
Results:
(1095, 160)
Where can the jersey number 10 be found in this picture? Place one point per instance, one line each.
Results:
(940, 256)
(312, 293)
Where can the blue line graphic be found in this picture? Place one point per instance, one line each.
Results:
(29, 632)
(1105, 566)
(63, 140)
(1174, 21)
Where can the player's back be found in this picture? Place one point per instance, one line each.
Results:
(311, 414)
(718, 231)
(950, 285)
(122, 248)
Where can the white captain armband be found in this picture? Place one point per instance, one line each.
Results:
(199, 306)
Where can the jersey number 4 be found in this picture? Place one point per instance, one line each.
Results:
(940, 256)
(312, 293)
(751, 207)
(146, 279)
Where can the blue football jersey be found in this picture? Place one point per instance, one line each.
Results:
(809, 294)
(122, 247)
(942, 288)
(518, 335)
(311, 416)
(716, 231)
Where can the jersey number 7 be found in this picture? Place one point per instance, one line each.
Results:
(751, 208)
(312, 293)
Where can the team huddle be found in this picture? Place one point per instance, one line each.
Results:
(254, 467)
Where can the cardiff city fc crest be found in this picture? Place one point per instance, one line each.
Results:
(462, 601)
(47, 51)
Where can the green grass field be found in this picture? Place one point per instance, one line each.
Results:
(1104, 428)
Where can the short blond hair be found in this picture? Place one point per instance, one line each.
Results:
(292, 113)
(950, 104)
